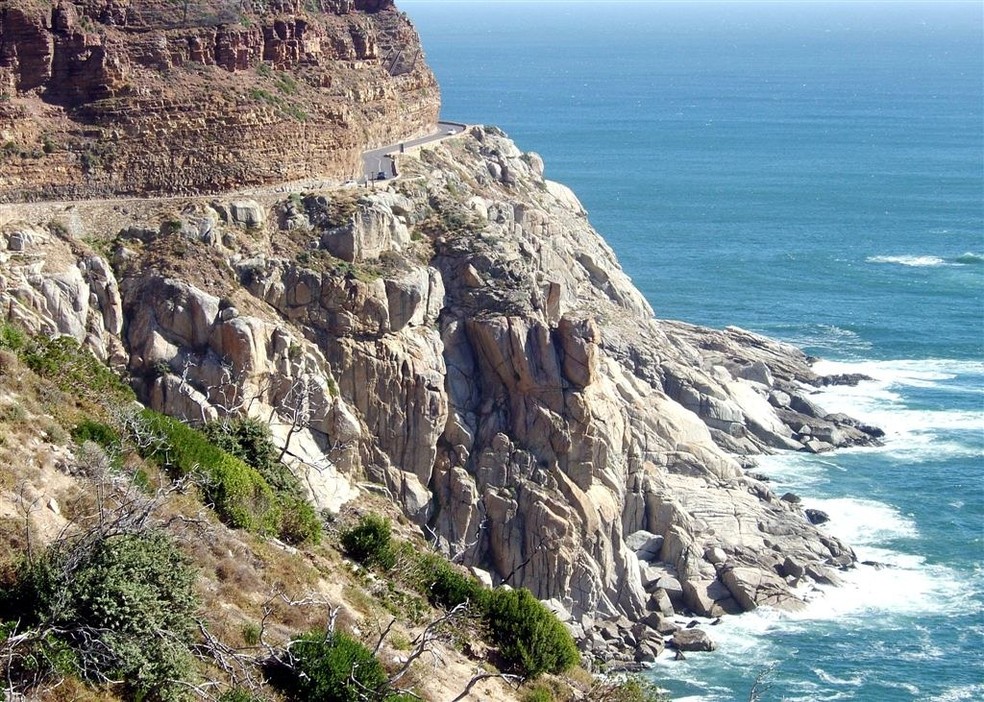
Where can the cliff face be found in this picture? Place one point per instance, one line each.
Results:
(464, 339)
(151, 97)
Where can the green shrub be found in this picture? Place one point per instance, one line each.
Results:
(539, 694)
(446, 586)
(299, 522)
(239, 494)
(632, 689)
(242, 496)
(240, 695)
(530, 638)
(249, 440)
(335, 668)
(95, 431)
(12, 337)
(251, 633)
(369, 542)
(121, 608)
(75, 370)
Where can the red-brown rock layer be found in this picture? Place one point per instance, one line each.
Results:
(108, 97)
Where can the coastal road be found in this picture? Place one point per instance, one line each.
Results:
(373, 162)
(378, 160)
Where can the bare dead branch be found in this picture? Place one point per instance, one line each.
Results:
(422, 643)
(762, 683)
(544, 543)
(383, 635)
(515, 680)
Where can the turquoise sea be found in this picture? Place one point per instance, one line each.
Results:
(812, 171)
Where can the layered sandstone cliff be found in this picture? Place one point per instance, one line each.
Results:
(102, 97)
(464, 340)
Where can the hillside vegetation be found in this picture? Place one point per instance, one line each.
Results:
(143, 559)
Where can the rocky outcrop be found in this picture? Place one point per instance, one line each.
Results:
(202, 96)
(465, 340)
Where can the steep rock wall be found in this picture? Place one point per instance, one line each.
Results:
(150, 97)
(466, 341)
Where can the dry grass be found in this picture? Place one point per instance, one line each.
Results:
(72, 690)
(243, 579)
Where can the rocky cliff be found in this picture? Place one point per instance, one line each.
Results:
(462, 340)
(102, 97)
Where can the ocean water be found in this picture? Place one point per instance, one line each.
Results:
(815, 172)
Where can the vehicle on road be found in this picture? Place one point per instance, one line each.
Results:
(381, 176)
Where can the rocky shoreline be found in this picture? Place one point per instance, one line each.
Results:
(463, 339)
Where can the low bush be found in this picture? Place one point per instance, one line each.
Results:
(299, 522)
(12, 337)
(95, 431)
(74, 369)
(107, 609)
(530, 638)
(631, 689)
(539, 694)
(335, 667)
(446, 586)
(369, 542)
(251, 634)
(240, 495)
(249, 440)
(240, 695)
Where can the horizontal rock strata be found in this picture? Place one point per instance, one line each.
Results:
(101, 98)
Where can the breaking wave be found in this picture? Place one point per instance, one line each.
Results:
(969, 259)
(966, 259)
(914, 261)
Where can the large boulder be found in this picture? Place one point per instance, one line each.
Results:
(692, 640)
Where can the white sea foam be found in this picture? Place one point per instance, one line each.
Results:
(862, 522)
(827, 695)
(969, 258)
(916, 261)
(908, 687)
(904, 371)
(853, 681)
(964, 259)
(927, 649)
(903, 587)
(963, 692)
(740, 640)
(901, 584)
(913, 434)
(830, 337)
(796, 471)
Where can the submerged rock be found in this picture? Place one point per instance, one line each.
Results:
(692, 640)
(817, 516)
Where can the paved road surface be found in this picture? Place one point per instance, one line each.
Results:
(376, 161)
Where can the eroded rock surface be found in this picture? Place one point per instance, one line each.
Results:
(464, 339)
(149, 96)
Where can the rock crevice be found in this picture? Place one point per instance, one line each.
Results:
(482, 356)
